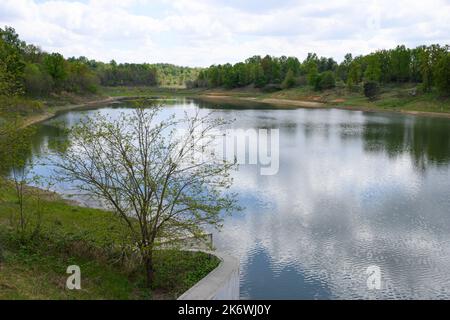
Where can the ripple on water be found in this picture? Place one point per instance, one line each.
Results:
(354, 189)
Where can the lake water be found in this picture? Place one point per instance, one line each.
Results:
(353, 190)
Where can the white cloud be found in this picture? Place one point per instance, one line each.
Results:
(201, 32)
(299, 219)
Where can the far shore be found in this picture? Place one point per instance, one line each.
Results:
(272, 101)
(222, 96)
(315, 105)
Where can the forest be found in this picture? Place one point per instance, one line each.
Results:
(428, 66)
(25, 69)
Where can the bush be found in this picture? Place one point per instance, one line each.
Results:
(80, 79)
(271, 88)
(325, 80)
(12, 106)
(37, 81)
(301, 81)
(371, 89)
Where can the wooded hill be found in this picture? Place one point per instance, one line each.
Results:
(27, 70)
(428, 66)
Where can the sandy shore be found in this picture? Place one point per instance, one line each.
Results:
(296, 103)
(313, 104)
(272, 101)
(222, 97)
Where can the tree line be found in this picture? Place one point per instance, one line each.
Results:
(428, 66)
(27, 70)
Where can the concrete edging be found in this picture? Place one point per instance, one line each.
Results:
(220, 284)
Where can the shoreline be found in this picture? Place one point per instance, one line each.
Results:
(318, 105)
(222, 96)
(272, 101)
(54, 111)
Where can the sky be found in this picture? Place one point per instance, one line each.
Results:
(204, 32)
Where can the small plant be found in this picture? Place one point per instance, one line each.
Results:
(2, 258)
(371, 89)
(15, 165)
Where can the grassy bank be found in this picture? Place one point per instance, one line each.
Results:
(396, 98)
(33, 264)
(391, 98)
(149, 92)
(28, 111)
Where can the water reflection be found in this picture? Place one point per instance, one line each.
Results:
(427, 140)
(354, 189)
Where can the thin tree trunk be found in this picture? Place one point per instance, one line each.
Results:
(22, 218)
(149, 271)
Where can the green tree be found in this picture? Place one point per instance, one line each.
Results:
(290, 63)
(7, 82)
(213, 76)
(371, 89)
(442, 75)
(384, 58)
(416, 57)
(310, 68)
(354, 74)
(37, 81)
(56, 68)
(401, 62)
(326, 64)
(15, 164)
(151, 176)
(312, 72)
(80, 78)
(425, 67)
(289, 80)
(228, 76)
(258, 74)
(271, 69)
(344, 67)
(241, 74)
(11, 63)
(373, 68)
(325, 80)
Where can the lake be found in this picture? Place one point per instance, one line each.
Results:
(353, 190)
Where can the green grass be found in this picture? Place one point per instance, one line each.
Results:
(148, 92)
(13, 107)
(398, 99)
(392, 97)
(29, 273)
(35, 267)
